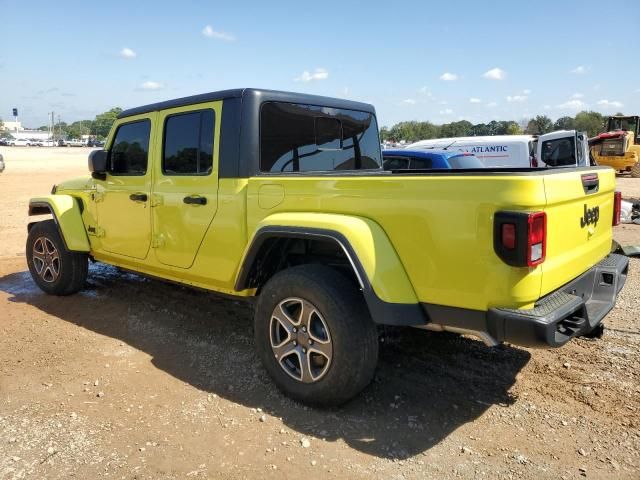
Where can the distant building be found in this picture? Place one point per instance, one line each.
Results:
(31, 134)
(11, 126)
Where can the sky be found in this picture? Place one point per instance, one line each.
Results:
(414, 60)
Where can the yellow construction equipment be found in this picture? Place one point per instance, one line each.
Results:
(619, 146)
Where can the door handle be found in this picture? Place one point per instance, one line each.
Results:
(193, 200)
(138, 197)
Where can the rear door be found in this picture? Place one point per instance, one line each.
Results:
(185, 189)
(579, 223)
(567, 148)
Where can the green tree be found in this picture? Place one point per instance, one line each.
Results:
(3, 132)
(103, 122)
(384, 134)
(591, 122)
(513, 129)
(564, 123)
(463, 128)
(539, 125)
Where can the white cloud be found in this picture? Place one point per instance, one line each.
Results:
(345, 92)
(526, 91)
(492, 104)
(128, 53)
(495, 74)
(577, 95)
(547, 107)
(425, 91)
(443, 102)
(608, 104)
(149, 85)
(446, 111)
(409, 101)
(516, 98)
(317, 74)
(572, 105)
(475, 100)
(580, 70)
(448, 77)
(209, 32)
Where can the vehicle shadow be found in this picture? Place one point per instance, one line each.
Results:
(427, 384)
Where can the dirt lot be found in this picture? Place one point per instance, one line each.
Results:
(134, 378)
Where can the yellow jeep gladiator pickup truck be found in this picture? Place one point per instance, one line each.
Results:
(282, 197)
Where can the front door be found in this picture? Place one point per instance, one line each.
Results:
(185, 189)
(122, 200)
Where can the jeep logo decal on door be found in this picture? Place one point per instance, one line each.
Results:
(591, 215)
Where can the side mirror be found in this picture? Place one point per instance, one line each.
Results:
(98, 163)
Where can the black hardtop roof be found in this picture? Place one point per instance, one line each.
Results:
(255, 93)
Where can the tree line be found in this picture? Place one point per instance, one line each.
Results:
(98, 127)
(589, 121)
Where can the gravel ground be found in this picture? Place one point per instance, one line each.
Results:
(134, 378)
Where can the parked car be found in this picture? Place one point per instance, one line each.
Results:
(20, 142)
(74, 143)
(281, 197)
(407, 159)
(563, 148)
(4, 142)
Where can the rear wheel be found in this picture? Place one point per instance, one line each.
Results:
(54, 269)
(314, 335)
(635, 170)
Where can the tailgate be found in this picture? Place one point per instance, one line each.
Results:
(579, 217)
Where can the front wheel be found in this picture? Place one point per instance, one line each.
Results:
(635, 170)
(54, 269)
(314, 335)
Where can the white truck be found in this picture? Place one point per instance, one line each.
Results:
(563, 148)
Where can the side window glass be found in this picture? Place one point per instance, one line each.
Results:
(559, 152)
(130, 149)
(188, 144)
(421, 163)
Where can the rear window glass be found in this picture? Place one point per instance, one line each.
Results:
(307, 138)
(465, 161)
(559, 152)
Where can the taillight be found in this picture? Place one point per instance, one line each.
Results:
(520, 238)
(537, 238)
(617, 207)
(533, 161)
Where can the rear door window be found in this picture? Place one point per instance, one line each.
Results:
(188, 144)
(559, 152)
(308, 138)
(130, 150)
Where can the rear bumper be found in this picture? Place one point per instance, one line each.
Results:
(575, 309)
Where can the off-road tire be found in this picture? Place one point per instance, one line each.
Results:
(353, 335)
(67, 274)
(635, 170)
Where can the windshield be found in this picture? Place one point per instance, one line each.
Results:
(465, 161)
(630, 124)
